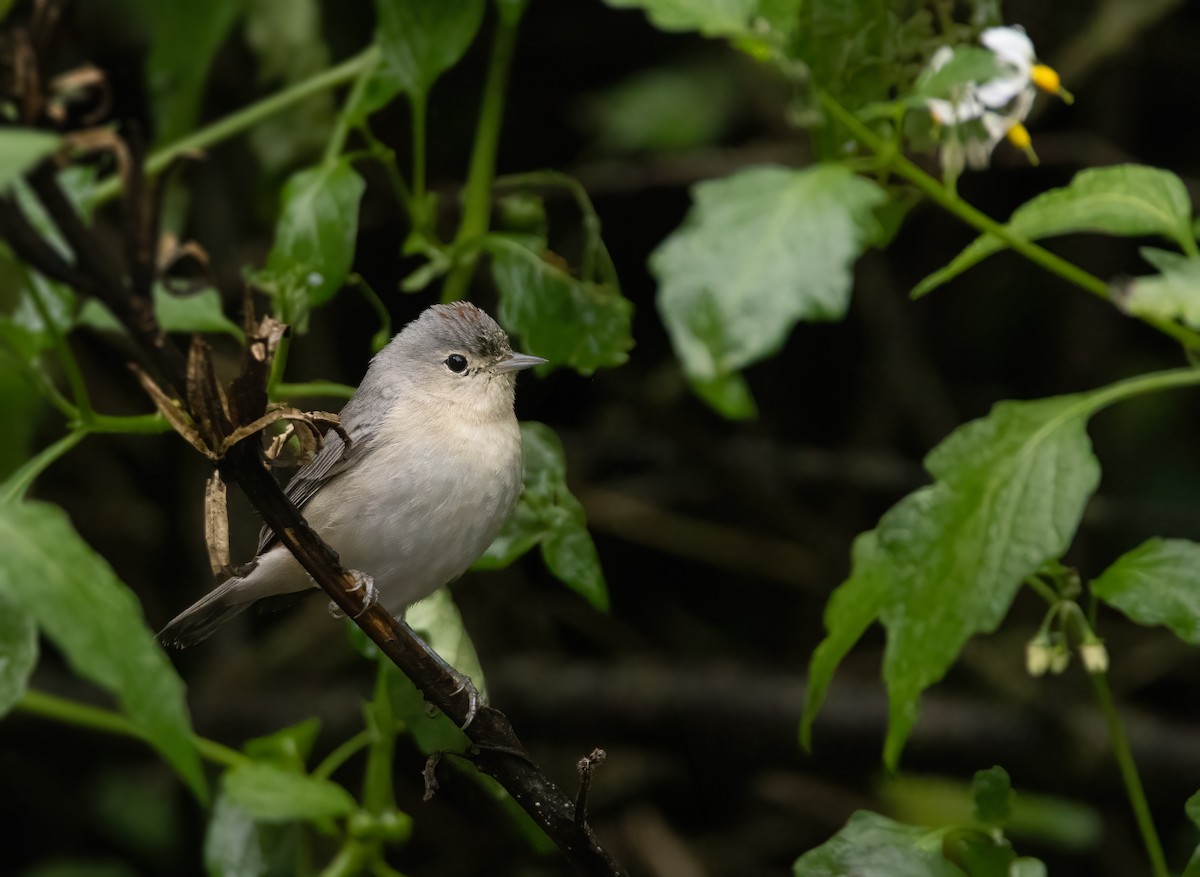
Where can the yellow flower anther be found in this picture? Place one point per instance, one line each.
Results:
(1018, 136)
(1048, 80)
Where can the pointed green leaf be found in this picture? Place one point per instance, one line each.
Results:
(1128, 199)
(759, 251)
(270, 793)
(87, 612)
(193, 312)
(946, 561)
(1173, 294)
(21, 149)
(18, 653)
(871, 845)
(437, 621)
(729, 395)
(549, 515)
(235, 845)
(315, 237)
(1157, 583)
(288, 747)
(568, 321)
(419, 40)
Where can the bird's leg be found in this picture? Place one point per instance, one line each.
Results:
(362, 582)
(464, 681)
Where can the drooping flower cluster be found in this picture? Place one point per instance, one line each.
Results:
(978, 115)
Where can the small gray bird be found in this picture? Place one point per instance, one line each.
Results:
(433, 470)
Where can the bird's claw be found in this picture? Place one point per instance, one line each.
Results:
(465, 684)
(364, 583)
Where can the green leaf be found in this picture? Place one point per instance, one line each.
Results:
(548, 514)
(235, 845)
(288, 39)
(568, 321)
(1157, 583)
(437, 620)
(946, 561)
(712, 18)
(194, 312)
(314, 240)
(85, 610)
(992, 792)
(432, 730)
(288, 747)
(21, 149)
(18, 653)
(1027, 866)
(1130, 200)
(419, 40)
(1173, 294)
(664, 109)
(270, 793)
(729, 395)
(872, 845)
(759, 251)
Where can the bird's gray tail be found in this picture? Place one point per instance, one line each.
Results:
(199, 620)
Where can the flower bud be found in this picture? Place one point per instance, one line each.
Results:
(1037, 657)
(1094, 656)
(1060, 659)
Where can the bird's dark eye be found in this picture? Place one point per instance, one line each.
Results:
(456, 362)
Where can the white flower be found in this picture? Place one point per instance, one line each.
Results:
(979, 115)
(1094, 655)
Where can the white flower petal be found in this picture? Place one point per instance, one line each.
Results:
(1010, 44)
(940, 58)
(996, 93)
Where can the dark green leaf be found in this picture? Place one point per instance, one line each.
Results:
(568, 321)
(433, 730)
(759, 251)
(21, 149)
(978, 853)
(288, 38)
(664, 109)
(94, 619)
(874, 846)
(1130, 200)
(18, 653)
(419, 40)
(946, 561)
(314, 240)
(183, 39)
(194, 312)
(1173, 294)
(270, 793)
(993, 793)
(1157, 583)
(549, 514)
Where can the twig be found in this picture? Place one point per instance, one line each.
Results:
(586, 766)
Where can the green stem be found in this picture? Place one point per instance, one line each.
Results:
(69, 712)
(419, 106)
(478, 193)
(349, 861)
(1129, 774)
(342, 754)
(66, 358)
(18, 483)
(1043, 590)
(312, 388)
(143, 424)
(278, 366)
(384, 334)
(236, 123)
(341, 129)
(386, 156)
(593, 243)
(38, 379)
(981, 221)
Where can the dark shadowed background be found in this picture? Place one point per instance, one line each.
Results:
(720, 541)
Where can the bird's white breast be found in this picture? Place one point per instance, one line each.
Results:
(426, 500)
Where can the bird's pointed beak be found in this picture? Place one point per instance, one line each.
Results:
(518, 362)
